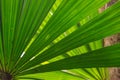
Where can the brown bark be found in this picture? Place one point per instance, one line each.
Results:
(114, 73)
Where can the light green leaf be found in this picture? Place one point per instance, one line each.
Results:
(56, 75)
(91, 31)
(105, 57)
(64, 17)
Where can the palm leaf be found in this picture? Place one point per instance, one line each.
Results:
(39, 36)
(81, 36)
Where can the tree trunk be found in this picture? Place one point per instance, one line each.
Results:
(114, 73)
